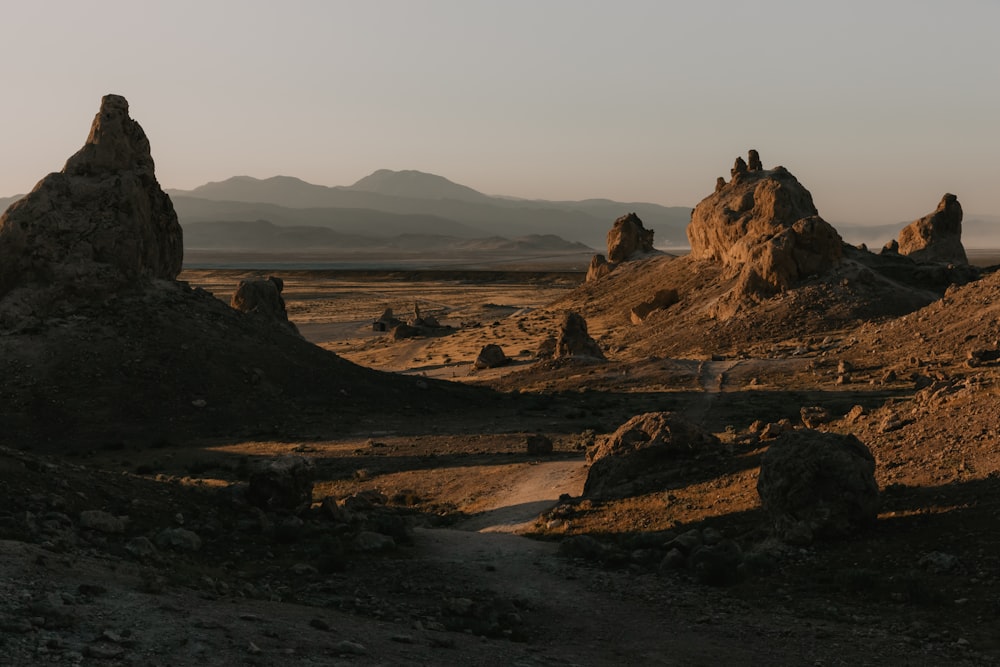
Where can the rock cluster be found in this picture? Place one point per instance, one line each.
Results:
(817, 485)
(936, 237)
(630, 459)
(763, 228)
(100, 223)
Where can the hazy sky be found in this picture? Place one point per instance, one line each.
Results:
(878, 106)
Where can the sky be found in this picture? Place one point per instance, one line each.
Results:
(878, 107)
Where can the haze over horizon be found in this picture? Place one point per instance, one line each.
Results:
(877, 108)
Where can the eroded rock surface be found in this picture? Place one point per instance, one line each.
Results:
(628, 238)
(100, 222)
(763, 227)
(263, 297)
(631, 459)
(817, 485)
(573, 339)
(936, 237)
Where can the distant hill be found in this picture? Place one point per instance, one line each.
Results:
(343, 220)
(978, 231)
(416, 184)
(263, 236)
(5, 202)
(415, 193)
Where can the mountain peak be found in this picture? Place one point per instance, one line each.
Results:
(415, 184)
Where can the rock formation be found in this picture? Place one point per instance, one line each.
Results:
(817, 485)
(573, 339)
(100, 343)
(101, 222)
(628, 238)
(599, 267)
(763, 228)
(936, 237)
(263, 297)
(636, 452)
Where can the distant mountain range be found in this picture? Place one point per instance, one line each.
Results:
(390, 203)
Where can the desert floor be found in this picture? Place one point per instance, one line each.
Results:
(480, 500)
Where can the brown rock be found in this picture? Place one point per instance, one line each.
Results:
(753, 161)
(537, 444)
(263, 297)
(764, 229)
(573, 339)
(817, 485)
(101, 222)
(663, 299)
(491, 356)
(628, 238)
(599, 267)
(630, 459)
(936, 237)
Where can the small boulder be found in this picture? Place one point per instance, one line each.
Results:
(491, 356)
(817, 485)
(537, 444)
(281, 485)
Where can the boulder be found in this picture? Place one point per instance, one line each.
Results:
(664, 298)
(537, 444)
(640, 451)
(101, 222)
(936, 237)
(283, 485)
(628, 238)
(263, 297)
(491, 356)
(764, 229)
(573, 339)
(817, 485)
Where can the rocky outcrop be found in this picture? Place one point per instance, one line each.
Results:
(628, 238)
(936, 237)
(630, 459)
(764, 229)
(817, 485)
(573, 339)
(263, 298)
(599, 267)
(101, 222)
(664, 298)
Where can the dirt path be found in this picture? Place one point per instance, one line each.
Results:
(712, 378)
(514, 508)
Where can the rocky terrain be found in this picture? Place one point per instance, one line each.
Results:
(780, 448)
